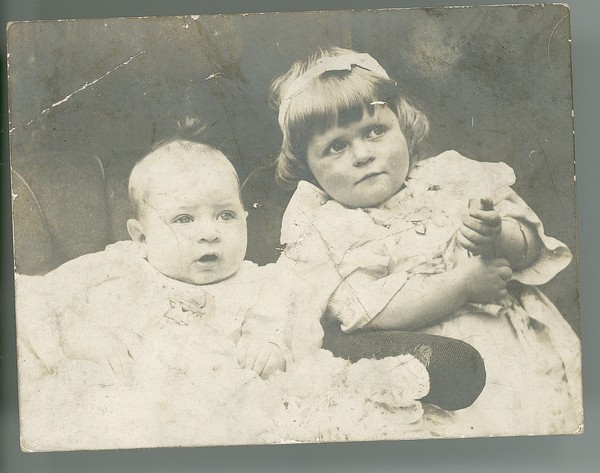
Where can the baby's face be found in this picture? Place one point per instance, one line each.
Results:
(195, 225)
(364, 163)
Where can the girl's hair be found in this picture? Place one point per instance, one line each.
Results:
(334, 97)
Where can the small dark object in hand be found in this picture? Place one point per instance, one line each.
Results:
(487, 205)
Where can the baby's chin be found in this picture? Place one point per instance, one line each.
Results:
(211, 277)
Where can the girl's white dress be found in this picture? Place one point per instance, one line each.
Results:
(113, 354)
(355, 261)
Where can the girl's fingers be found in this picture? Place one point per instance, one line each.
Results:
(502, 268)
(505, 273)
(488, 217)
(480, 226)
(501, 262)
(475, 237)
(467, 244)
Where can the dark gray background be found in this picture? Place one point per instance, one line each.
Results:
(514, 454)
(494, 82)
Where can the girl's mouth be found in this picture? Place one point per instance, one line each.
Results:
(368, 176)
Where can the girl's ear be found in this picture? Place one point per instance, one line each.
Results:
(136, 230)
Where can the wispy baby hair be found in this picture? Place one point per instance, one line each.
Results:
(176, 156)
(334, 86)
(170, 152)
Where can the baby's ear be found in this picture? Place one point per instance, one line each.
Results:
(136, 230)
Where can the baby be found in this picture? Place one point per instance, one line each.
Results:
(191, 226)
(168, 318)
(184, 267)
(397, 242)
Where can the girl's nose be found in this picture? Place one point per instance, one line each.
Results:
(363, 154)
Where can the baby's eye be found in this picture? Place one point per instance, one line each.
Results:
(226, 216)
(336, 147)
(376, 131)
(183, 219)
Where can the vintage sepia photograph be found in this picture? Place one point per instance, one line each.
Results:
(306, 227)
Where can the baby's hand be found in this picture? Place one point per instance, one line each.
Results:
(481, 228)
(485, 279)
(263, 357)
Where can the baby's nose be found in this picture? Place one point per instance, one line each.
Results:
(208, 232)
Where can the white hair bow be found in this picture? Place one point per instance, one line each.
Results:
(326, 64)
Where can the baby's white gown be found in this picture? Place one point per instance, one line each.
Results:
(112, 354)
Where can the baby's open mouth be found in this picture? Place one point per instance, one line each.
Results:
(209, 258)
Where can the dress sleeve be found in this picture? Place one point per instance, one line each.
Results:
(48, 306)
(284, 313)
(312, 256)
(37, 327)
(266, 318)
(340, 257)
(463, 179)
(361, 296)
(45, 305)
(554, 255)
(78, 275)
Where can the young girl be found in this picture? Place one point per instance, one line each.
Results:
(385, 240)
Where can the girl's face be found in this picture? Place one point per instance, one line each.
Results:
(362, 164)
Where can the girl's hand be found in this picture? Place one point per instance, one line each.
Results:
(481, 229)
(485, 279)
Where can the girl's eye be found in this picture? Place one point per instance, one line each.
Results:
(376, 131)
(336, 147)
(184, 219)
(226, 216)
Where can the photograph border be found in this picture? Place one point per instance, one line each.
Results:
(545, 453)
